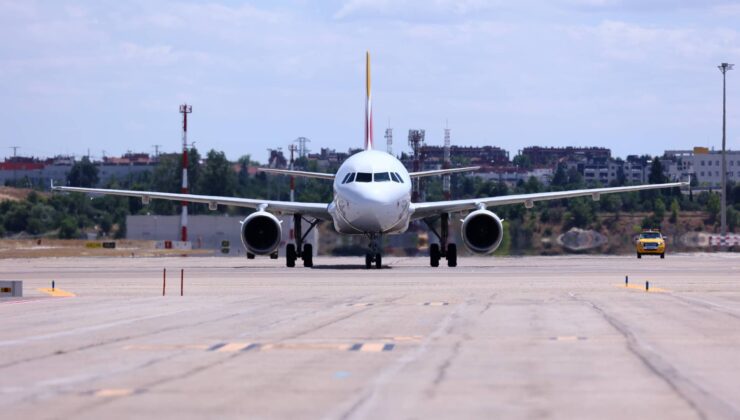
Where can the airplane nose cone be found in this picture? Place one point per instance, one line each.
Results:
(372, 209)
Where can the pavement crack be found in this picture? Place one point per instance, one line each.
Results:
(364, 402)
(701, 401)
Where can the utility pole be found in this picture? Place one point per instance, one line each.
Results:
(389, 139)
(185, 109)
(446, 164)
(724, 67)
(15, 150)
(292, 149)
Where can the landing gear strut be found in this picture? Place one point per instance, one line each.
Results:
(374, 254)
(299, 249)
(442, 249)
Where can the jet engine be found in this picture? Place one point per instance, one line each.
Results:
(482, 231)
(261, 233)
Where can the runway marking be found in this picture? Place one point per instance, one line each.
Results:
(360, 304)
(167, 347)
(56, 292)
(436, 303)
(306, 346)
(113, 392)
(372, 347)
(568, 338)
(228, 347)
(642, 288)
(232, 347)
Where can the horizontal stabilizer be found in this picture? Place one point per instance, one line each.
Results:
(303, 174)
(443, 171)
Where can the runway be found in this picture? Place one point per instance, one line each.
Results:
(531, 337)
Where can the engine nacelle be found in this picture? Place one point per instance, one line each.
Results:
(482, 231)
(261, 233)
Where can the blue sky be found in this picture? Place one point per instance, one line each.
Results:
(635, 76)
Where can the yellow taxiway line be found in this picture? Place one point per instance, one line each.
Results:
(56, 292)
(641, 287)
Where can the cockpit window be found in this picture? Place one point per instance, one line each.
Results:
(400, 180)
(346, 178)
(382, 177)
(364, 177)
(394, 177)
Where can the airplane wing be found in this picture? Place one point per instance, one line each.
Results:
(304, 174)
(316, 210)
(443, 171)
(423, 210)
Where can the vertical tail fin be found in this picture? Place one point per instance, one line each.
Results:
(368, 107)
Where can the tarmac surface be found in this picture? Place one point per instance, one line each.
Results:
(532, 337)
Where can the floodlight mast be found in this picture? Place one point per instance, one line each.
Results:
(724, 67)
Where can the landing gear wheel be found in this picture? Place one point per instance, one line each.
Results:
(452, 255)
(308, 255)
(368, 260)
(662, 255)
(639, 255)
(290, 255)
(378, 261)
(274, 255)
(250, 256)
(434, 255)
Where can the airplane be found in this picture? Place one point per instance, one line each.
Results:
(372, 197)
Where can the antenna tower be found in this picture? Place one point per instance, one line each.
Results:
(446, 165)
(302, 150)
(416, 142)
(389, 140)
(185, 109)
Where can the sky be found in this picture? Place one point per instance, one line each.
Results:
(636, 76)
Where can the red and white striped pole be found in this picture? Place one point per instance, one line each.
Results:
(185, 109)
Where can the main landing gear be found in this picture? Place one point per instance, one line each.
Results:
(374, 254)
(442, 249)
(299, 249)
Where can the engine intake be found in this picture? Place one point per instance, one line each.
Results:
(261, 233)
(482, 231)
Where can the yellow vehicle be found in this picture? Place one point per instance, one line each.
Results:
(650, 241)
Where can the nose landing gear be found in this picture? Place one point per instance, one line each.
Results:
(374, 254)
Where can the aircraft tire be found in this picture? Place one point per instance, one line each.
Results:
(452, 255)
(308, 255)
(378, 261)
(662, 255)
(434, 255)
(250, 256)
(290, 255)
(639, 255)
(368, 260)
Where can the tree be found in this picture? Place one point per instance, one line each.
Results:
(83, 174)
(68, 229)
(656, 172)
(217, 176)
(675, 207)
(659, 209)
(522, 161)
(713, 207)
(560, 179)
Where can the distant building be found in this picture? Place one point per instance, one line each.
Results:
(540, 156)
(36, 172)
(703, 164)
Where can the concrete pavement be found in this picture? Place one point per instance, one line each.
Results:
(557, 337)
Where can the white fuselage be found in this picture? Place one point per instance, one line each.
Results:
(372, 194)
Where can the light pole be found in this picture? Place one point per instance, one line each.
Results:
(724, 67)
